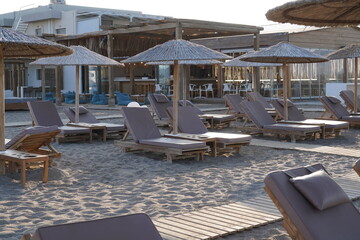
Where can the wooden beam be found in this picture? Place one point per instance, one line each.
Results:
(43, 82)
(110, 47)
(57, 86)
(2, 100)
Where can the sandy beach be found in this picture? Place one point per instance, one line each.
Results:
(97, 180)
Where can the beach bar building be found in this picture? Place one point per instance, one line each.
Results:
(307, 80)
(117, 34)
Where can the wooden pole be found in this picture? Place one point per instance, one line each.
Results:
(132, 78)
(356, 84)
(43, 82)
(57, 86)
(77, 93)
(220, 81)
(286, 82)
(176, 97)
(2, 101)
(18, 88)
(256, 73)
(110, 48)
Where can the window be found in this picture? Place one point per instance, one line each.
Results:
(38, 31)
(61, 31)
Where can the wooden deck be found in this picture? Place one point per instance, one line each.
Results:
(218, 221)
(307, 147)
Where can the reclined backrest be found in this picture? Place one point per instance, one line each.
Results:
(190, 104)
(188, 120)
(129, 227)
(257, 113)
(234, 100)
(140, 123)
(44, 113)
(84, 115)
(341, 221)
(348, 97)
(159, 102)
(293, 112)
(32, 138)
(256, 96)
(334, 105)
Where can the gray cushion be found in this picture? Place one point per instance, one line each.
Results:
(173, 143)
(73, 130)
(333, 100)
(320, 190)
(82, 110)
(292, 127)
(161, 98)
(282, 102)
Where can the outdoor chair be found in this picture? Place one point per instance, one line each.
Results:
(348, 97)
(44, 113)
(295, 116)
(207, 88)
(264, 123)
(256, 96)
(233, 102)
(314, 206)
(337, 111)
(130, 227)
(147, 137)
(99, 99)
(35, 140)
(216, 120)
(112, 130)
(158, 103)
(192, 90)
(190, 123)
(228, 87)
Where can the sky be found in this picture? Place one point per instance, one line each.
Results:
(249, 12)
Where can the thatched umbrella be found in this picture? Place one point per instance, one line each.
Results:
(351, 51)
(15, 45)
(187, 62)
(320, 13)
(284, 53)
(80, 57)
(176, 50)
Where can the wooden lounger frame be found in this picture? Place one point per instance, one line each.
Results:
(31, 142)
(287, 223)
(171, 153)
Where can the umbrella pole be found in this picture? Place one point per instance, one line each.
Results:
(176, 97)
(285, 90)
(77, 94)
(356, 85)
(2, 103)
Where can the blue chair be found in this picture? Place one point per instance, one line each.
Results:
(99, 99)
(49, 96)
(69, 97)
(123, 98)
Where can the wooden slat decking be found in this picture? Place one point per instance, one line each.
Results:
(307, 147)
(218, 221)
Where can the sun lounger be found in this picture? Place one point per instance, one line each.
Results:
(148, 137)
(129, 227)
(256, 96)
(266, 124)
(295, 116)
(216, 120)
(158, 103)
(191, 124)
(44, 114)
(337, 111)
(348, 97)
(34, 139)
(233, 102)
(112, 130)
(321, 212)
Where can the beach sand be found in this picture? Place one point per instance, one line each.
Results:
(97, 180)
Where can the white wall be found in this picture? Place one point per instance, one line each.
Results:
(88, 25)
(69, 78)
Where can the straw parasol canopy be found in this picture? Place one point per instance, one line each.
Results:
(15, 45)
(187, 62)
(176, 50)
(80, 56)
(319, 13)
(351, 51)
(284, 53)
(237, 62)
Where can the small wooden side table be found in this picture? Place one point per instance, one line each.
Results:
(93, 128)
(22, 158)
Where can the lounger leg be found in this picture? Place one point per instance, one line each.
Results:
(46, 171)
(126, 135)
(169, 157)
(293, 139)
